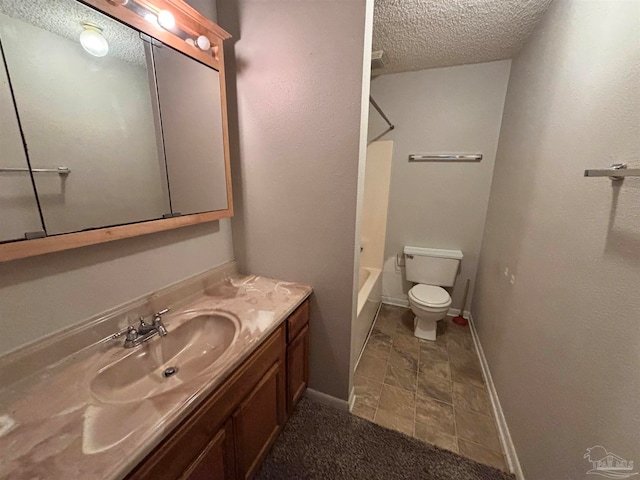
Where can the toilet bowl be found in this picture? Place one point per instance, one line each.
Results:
(430, 269)
(429, 304)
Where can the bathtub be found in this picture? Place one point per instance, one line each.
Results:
(369, 298)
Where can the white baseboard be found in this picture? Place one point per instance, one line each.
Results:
(503, 429)
(320, 397)
(398, 302)
(352, 398)
(454, 312)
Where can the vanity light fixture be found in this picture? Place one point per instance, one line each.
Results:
(166, 19)
(152, 19)
(161, 19)
(203, 43)
(92, 40)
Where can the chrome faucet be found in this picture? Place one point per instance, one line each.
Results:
(145, 331)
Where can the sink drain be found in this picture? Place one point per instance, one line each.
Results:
(170, 372)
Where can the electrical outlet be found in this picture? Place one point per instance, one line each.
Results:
(506, 271)
(512, 280)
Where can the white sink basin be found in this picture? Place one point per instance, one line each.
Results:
(147, 371)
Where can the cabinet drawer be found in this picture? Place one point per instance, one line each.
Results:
(297, 320)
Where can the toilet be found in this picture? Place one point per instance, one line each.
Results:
(430, 269)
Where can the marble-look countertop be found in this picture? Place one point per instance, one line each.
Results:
(53, 426)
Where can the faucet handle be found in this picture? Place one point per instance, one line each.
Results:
(158, 316)
(132, 333)
(157, 322)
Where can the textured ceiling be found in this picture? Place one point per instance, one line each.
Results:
(419, 34)
(65, 18)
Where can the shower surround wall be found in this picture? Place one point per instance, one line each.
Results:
(431, 204)
(373, 228)
(563, 341)
(375, 203)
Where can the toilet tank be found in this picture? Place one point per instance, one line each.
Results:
(432, 266)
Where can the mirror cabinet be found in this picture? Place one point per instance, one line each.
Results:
(112, 122)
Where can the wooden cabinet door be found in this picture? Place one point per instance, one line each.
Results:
(258, 421)
(252, 400)
(217, 460)
(297, 368)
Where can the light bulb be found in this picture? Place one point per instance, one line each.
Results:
(152, 19)
(203, 43)
(166, 20)
(92, 40)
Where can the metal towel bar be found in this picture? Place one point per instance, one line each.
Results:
(476, 157)
(58, 170)
(617, 171)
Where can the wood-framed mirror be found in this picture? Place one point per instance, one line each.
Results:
(113, 122)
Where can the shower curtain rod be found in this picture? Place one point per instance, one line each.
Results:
(377, 107)
(386, 119)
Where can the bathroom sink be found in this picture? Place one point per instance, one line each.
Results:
(162, 364)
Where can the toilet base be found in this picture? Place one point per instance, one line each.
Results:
(425, 328)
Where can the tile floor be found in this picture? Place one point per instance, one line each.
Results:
(433, 391)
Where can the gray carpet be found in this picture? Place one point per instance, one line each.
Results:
(320, 442)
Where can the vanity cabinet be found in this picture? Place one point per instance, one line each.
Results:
(229, 434)
(216, 462)
(297, 355)
(258, 420)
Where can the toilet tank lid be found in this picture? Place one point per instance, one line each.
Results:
(433, 252)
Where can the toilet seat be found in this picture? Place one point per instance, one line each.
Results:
(430, 296)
